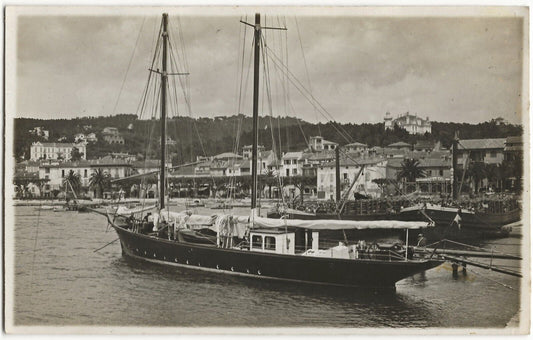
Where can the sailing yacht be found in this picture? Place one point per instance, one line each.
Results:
(254, 246)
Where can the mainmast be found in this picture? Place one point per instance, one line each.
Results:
(257, 45)
(164, 76)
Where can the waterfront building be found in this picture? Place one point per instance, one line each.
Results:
(424, 145)
(292, 163)
(55, 151)
(412, 123)
(55, 171)
(356, 147)
(374, 168)
(489, 150)
(514, 147)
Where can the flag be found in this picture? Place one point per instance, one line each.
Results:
(457, 220)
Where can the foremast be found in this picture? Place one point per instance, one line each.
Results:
(164, 77)
(255, 113)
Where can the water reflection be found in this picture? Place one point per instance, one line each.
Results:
(315, 305)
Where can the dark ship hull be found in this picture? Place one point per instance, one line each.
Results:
(472, 225)
(295, 268)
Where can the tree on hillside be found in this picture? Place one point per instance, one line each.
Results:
(99, 182)
(411, 170)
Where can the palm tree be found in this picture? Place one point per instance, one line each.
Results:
(411, 170)
(72, 178)
(99, 181)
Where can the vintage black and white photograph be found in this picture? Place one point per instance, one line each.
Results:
(323, 170)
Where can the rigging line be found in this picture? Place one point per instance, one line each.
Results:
(301, 88)
(306, 70)
(293, 110)
(344, 134)
(142, 102)
(129, 65)
(240, 66)
(268, 82)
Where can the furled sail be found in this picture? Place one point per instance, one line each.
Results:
(263, 222)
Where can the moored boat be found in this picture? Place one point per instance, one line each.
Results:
(253, 246)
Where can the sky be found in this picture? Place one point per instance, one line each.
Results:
(451, 68)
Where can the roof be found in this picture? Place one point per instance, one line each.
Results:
(241, 163)
(488, 143)
(424, 144)
(226, 155)
(265, 154)
(76, 164)
(323, 155)
(344, 161)
(58, 145)
(399, 144)
(149, 163)
(356, 144)
(329, 142)
(514, 140)
(293, 155)
(435, 163)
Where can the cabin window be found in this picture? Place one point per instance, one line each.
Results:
(257, 242)
(270, 243)
(441, 172)
(85, 173)
(62, 173)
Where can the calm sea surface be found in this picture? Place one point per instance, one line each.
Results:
(60, 280)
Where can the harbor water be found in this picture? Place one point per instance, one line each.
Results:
(61, 281)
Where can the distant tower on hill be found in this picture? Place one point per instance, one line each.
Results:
(388, 121)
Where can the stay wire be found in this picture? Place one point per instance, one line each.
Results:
(129, 65)
(312, 100)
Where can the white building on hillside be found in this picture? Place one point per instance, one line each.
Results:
(55, 151)
(317, 143)
(412, 123)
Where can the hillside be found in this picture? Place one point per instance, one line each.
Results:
(212, 136)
